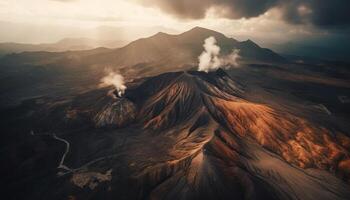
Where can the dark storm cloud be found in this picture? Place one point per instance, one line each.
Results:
(316, 12)
(196, 9)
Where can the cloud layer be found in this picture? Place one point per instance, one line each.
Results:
(316, 12)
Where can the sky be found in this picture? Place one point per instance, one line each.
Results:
(321, 22)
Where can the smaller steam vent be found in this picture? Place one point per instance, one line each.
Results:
(115, 79)
(118, 112)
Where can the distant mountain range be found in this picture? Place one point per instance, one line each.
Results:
(24, 33)
(66, 44)
(157, 53)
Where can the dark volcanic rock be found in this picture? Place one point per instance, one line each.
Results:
(193, 135)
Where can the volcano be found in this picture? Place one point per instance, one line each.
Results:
(183, 135)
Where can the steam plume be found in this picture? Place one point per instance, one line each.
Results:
(230, 60)
(116, 80)
(210, 58)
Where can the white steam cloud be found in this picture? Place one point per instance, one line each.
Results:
(210, 58)
(115, 79)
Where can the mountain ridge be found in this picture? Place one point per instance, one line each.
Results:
(176, 50)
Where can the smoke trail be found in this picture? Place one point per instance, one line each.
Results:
(116, 80)
(210, 58)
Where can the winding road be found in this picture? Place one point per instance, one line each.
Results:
(69, 170)
(61, 165)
